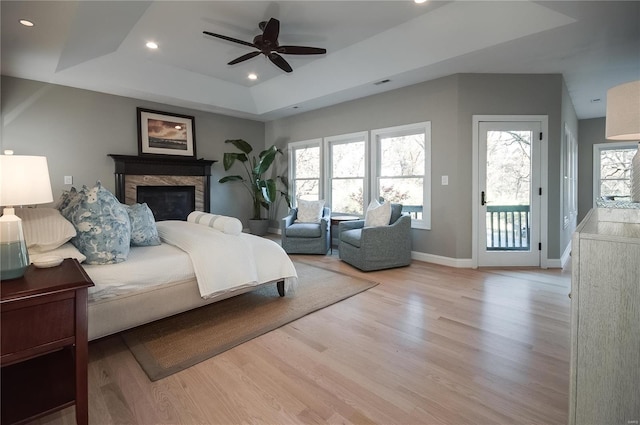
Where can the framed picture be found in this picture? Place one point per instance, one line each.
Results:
(162, 133)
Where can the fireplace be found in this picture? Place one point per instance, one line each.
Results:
(172, 187)
(168, 202)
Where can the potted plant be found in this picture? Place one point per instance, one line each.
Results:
(263, 191)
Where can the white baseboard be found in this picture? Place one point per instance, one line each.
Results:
(460, 263)
(565, 259)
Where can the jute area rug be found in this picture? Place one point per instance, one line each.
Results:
(173, 344)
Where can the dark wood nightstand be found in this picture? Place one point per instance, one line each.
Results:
(44, 348)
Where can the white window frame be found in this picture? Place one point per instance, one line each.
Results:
(344, 139)
(597, 149)
(292, 147)
(422, 127)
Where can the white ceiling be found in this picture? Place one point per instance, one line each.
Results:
(100, 45)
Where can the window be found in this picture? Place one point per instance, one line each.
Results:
(612, 169)
(305, 166)
(349, 170)
(346, 172)
(401, 171)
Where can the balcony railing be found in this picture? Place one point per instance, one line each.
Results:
(508, 228)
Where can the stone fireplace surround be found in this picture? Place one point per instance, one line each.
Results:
(162, 170)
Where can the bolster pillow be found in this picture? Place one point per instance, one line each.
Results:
(223, 223)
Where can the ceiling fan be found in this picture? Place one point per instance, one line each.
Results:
(267, 44)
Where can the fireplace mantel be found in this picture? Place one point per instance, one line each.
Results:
(132, 171)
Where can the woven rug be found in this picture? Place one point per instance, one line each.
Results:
(173, 344)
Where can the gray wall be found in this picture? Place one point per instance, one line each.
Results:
(591, 132)
(449, 103)
(76, 130)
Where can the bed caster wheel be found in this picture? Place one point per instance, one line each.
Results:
(280, 288)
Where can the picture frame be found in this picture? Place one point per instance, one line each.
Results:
(163, 133)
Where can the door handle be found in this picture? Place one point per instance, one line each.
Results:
(483, 201)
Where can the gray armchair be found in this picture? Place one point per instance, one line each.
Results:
(376, 248)
(306, 238)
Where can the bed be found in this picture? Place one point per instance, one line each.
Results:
(194, 264)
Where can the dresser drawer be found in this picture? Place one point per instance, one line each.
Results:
(37, 325)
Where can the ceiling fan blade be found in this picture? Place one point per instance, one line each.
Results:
(234, 40)
(280, 62)
(271, 32)
(301, 50)
(244, 58)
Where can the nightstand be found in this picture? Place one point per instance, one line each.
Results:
(44, 348)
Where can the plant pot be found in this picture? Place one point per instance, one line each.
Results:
(258, 227)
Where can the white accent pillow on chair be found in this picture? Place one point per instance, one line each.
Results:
(377, 214)
(309, 211)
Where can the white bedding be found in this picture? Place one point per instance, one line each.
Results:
(146, 266)
(224, 262)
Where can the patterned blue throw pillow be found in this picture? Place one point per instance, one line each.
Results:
(102, 225)
(143, 225)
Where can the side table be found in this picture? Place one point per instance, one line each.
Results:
(44, 347)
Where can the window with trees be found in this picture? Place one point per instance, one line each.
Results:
(305, 166)
(612, 170)
(401, 158)
(349, 170)
(346, 172)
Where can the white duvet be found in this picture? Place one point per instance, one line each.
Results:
(224, 262)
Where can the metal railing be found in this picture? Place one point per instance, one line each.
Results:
(415, 211)
(508, 228)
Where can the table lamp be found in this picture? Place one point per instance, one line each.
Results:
(24, 180)
(623, 123)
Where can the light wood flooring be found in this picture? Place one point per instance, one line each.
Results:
(429, 345)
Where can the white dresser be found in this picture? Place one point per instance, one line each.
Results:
(605, 319)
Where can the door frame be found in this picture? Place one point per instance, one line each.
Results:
(544, 180)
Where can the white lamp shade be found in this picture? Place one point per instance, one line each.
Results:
(24, 180)
(623, 112)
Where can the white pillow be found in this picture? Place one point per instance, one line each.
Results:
(44, 228)
(377, 214)
(67, 250)
(309, 211)
(223, 223)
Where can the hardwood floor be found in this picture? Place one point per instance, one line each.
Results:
(429, 345)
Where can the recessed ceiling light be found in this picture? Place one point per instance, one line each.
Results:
(26, 23)
(178, 127)
(252, 76)
(419, 1)
(152, 45)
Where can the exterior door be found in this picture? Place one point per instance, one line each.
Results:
(509, 193)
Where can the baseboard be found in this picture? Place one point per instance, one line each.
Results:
(565, 259)
(460, 263)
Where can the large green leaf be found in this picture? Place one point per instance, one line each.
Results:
(269, 190)
(266, 159)
(241, 145)
(230, 157)
(230, 179)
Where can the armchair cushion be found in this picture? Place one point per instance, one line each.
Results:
(351, 237)
(303, 230)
